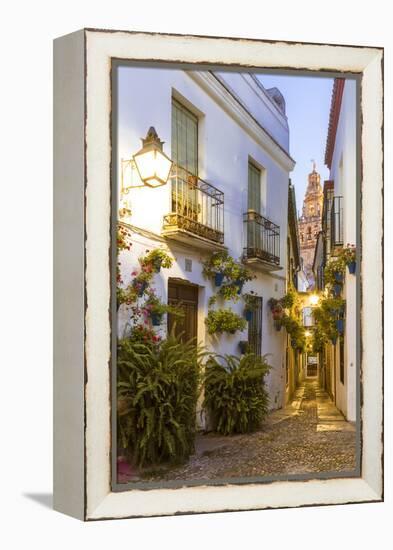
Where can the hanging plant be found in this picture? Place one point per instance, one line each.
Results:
(328, 320)
(224, 320)
(156, 309)
(123, 238)
(229, 291)
(348, 254)
(222, 267)
(288, 300)
(334, 271)
(157, 259)
(218, 264)
(251, 301)
(141, 282)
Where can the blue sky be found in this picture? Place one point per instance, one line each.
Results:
(307, 101)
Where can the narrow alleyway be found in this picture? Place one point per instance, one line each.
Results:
(310, 435)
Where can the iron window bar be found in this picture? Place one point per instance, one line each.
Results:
(196, 206)
(262, 238)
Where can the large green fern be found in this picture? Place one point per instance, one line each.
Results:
(158, 388)
(235, 393)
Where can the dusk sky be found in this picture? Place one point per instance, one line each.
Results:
(307, 108)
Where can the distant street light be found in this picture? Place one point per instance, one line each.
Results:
(314, 299)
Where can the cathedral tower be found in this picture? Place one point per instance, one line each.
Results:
(310, 223)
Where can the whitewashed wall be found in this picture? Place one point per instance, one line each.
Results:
(343, 172)
(224, 150)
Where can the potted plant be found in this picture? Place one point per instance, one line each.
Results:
(277, 312)
(243, 346)
(216, 267)
(239, 276)
(141, 282)
(338, 276)
(250, 305)
(334, 271)
(336, 289)
(340, 326)
(224, 320)
(348, 254)
(156, 309)
(156, 258)
(277, 324)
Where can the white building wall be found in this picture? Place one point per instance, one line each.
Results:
(343, 172)
(225, 148)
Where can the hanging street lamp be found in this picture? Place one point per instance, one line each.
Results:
(153, 165)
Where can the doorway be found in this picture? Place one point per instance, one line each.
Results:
(184, 296)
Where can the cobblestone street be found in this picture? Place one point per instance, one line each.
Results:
(310, 435)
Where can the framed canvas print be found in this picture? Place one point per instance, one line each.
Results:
(218, 274)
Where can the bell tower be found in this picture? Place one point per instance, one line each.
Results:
(310, 223)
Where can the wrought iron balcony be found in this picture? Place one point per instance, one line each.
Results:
(197, 209)
(262, 240)
(337, 222)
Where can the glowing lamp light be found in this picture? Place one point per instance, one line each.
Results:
(151, 162)
(307, 333)
(314, 299)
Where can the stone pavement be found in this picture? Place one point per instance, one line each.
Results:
(309, 435)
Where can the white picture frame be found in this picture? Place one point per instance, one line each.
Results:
(82, 337)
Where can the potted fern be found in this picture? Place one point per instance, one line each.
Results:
(236, 397)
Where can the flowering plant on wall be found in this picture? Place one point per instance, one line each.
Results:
(224, 320)
(348, 254)
(156, 259)
(224, 269)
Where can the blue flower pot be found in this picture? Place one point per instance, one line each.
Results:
(340, 326)
(352, 268)
(336, 290)
(239, 284)
(156, 319)
(339, 277)
(248, 315)
(142, 289)
(218, 279)
(293, 344)
(243, 345)
(333, 341)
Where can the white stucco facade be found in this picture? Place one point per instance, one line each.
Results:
(343, 174)
(237, 122)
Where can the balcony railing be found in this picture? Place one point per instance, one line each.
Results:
(262, 239)
(197, 207)
(337, 222)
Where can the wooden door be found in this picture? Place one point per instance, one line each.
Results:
(185, 297)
